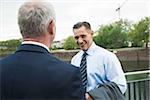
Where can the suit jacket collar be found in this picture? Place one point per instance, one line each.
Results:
(35, 43)
(32, 48)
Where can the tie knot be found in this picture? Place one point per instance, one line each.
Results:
(84, 54)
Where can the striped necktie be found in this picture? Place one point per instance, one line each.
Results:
(83, 71)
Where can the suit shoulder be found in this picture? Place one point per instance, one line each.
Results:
(7, 58)
(78, 55)
(62, 63)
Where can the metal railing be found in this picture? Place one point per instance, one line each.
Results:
(138, 85)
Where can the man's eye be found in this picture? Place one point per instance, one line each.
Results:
(83, 36)
(76, 38)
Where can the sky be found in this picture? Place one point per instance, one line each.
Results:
(69, 12)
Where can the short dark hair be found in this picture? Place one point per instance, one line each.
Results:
(80, 24)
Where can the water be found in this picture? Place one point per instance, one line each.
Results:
(130, 66)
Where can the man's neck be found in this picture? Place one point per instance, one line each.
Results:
(35, 43)
(39, 40)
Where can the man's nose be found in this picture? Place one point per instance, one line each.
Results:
(80, 40)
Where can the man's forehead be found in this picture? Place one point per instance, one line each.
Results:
(80, 30)
(80, 33)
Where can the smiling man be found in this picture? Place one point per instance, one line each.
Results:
(97, 65)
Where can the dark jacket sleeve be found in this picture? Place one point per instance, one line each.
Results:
(78, 91)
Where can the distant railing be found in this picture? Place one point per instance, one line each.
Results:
(138, 85)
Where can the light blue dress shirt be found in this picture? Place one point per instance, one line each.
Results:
(102, 66)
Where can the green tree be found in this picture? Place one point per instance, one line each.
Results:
(113, 35)
(140, 32)
(70, 43)
(9, 46)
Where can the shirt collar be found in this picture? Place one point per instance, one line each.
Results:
(35, 43)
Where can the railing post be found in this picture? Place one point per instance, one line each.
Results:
(138, 85)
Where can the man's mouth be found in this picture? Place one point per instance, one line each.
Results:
(82, 45)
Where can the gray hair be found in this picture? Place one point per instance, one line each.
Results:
(34, 18)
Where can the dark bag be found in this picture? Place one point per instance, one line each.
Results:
(107, 91)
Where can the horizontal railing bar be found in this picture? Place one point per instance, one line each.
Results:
(137, 72)
(132, 81)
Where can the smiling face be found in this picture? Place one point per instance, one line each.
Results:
(83, 37)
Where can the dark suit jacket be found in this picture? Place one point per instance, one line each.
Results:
(32, 73)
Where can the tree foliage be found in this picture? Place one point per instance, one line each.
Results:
(70, 43)
(113, 35)
(140, 32)
(9, 46)
(12, 44)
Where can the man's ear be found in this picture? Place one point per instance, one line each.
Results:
(51, 27)
(92, 32)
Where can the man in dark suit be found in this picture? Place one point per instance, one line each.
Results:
(32, 73)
